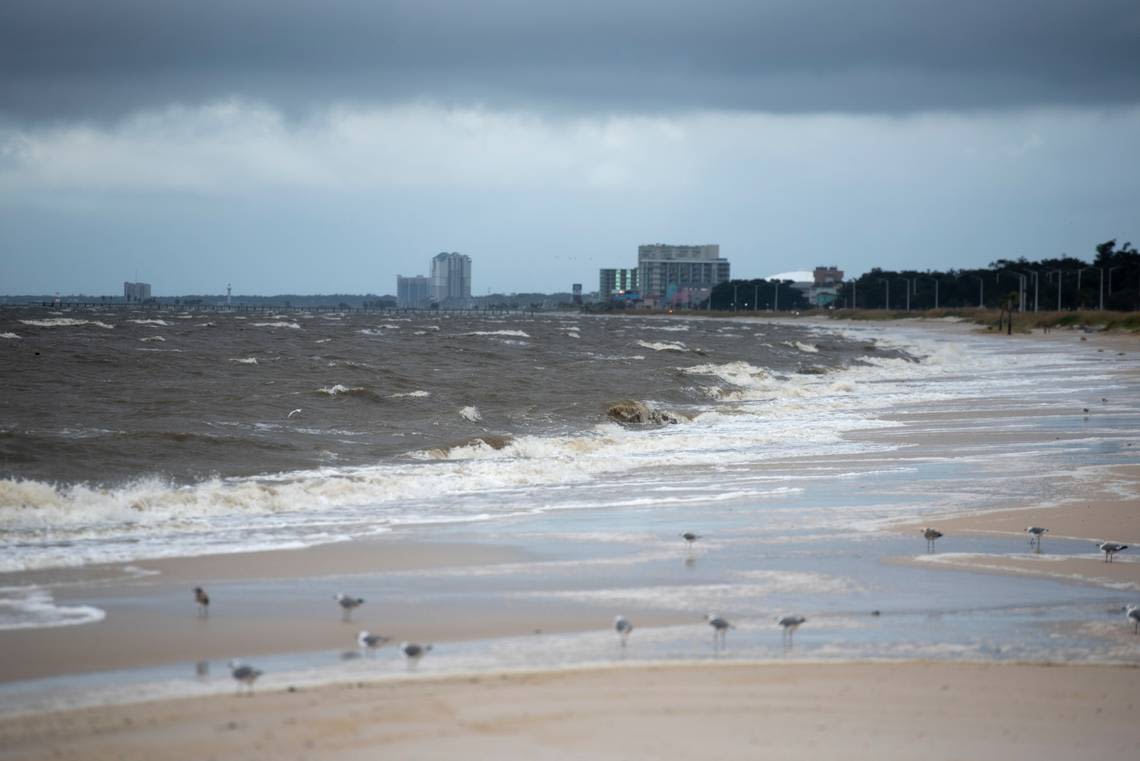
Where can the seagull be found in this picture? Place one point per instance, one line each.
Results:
(931, 535)
(348, 603)
(689, 538)
(790, 624)
(1111, 548)
(203, 601)
(1133, 615)
(720, 627)
(623, 627)
(413, 652)
(369, 641)
(294, 412)
(245, 675)
(1035, 534)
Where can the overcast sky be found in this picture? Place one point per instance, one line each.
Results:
(289, 146)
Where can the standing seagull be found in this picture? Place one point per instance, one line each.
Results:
(689, 538)
(720, 628)
(1133, 615)
(1035, 534)
(245, 675)
(348, 603)
(790, 624)
(623, 627)
(369, 641)
(931, 535)
(413, 652)
(203, 601)
(1111, 548)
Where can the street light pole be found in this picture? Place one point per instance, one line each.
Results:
(734, 297)
(888, 282)
(756, 297)
(776, 298)
(981, 291)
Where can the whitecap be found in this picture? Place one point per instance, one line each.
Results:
(12, 336)
(244, 360)
(514, 333)
(65, 322)
(411, 395)
(663, 345)
(279, 324)
(151, 339)
(149, 322)
(471, 413)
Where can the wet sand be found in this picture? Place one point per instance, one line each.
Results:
(152, 619)
(1106, 515)
(731, 710)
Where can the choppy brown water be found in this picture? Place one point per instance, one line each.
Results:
(107, 396)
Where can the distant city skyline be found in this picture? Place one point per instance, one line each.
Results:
(143, 141)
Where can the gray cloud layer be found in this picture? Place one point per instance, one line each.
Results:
(67, 59)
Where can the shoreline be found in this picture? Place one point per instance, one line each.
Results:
(864, 710)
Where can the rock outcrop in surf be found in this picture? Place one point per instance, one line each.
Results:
(631, 412)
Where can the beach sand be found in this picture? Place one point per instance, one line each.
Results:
(731, 710)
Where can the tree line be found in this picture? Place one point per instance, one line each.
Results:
(1062, 283)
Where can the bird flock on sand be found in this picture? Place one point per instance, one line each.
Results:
(368, 642)
(245, 675)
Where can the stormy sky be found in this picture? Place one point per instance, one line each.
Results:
(289, 146)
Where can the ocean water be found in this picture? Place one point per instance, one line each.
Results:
(800, 443)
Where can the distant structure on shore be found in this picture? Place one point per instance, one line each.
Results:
(680, 275)
(451, 278)
(449, 284)
(616, 283)
(667, 276)
(136, 291)
(826, 280)
(413, 292)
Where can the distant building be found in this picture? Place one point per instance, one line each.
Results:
(576, 289)
(136, 291)
(413, 292)
(827, 275)
(679, 274)
(615, 281)
(451, 278)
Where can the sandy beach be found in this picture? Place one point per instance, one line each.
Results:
(730, 710)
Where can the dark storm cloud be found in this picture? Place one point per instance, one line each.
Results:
(90, 59)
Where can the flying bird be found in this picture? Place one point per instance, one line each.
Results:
(347, 604)
(623, 627)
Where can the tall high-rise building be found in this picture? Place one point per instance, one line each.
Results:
(450, 278)
(136, 291)
(611, 281)
(666, 271)
(413, 292)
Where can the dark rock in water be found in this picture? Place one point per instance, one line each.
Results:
(630, 412)
(812, 370)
